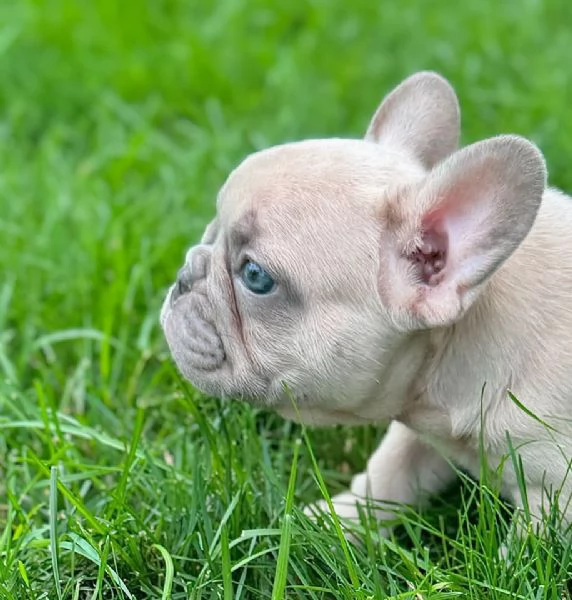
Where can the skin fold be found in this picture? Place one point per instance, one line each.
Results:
(412, 282)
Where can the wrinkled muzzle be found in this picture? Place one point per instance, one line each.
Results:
(186, 318)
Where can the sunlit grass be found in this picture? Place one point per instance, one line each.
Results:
(119, 121)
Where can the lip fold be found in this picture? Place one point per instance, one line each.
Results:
(195, 344)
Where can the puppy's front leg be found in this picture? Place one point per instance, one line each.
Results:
(402, 470)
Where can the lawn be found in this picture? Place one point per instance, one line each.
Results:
(118, 123)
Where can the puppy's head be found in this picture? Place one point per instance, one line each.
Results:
(325, 256)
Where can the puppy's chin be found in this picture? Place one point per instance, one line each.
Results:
(218, 385)
(320, 417)
(287, 408)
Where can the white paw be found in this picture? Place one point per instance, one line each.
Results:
(345, 506)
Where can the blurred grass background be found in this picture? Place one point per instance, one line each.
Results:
(118, 123)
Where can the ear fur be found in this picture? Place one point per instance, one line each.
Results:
(447, 236)
(420, 116)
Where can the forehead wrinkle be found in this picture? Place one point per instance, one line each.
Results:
(244, 230)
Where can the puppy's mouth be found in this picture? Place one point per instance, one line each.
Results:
(193, 339)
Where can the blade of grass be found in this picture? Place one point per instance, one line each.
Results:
(530, 413)
(324, 491)
(83, 547)
(281, 575)
(226, 566)
(53, 518)
(76, 502)
(169, 571)
(129, 460)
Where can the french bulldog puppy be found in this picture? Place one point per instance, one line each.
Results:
(394, 279)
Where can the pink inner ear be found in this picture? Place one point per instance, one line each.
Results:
(430, 258)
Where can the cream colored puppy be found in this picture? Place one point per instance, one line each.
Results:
(394, 278)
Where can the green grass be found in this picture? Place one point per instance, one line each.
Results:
(118, 122)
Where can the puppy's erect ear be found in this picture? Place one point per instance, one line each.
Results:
(420, 116)
(446, 236)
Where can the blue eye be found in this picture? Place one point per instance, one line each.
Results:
(256, 279)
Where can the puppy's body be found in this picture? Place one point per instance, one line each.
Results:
(393, 279)
(515, 337)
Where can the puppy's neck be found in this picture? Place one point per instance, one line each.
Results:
(424, 409)
(468, 368)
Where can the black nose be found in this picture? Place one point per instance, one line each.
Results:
(182, 285)
(195, 269)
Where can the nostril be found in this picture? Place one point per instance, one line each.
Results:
(182, 285)
(195, 269)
